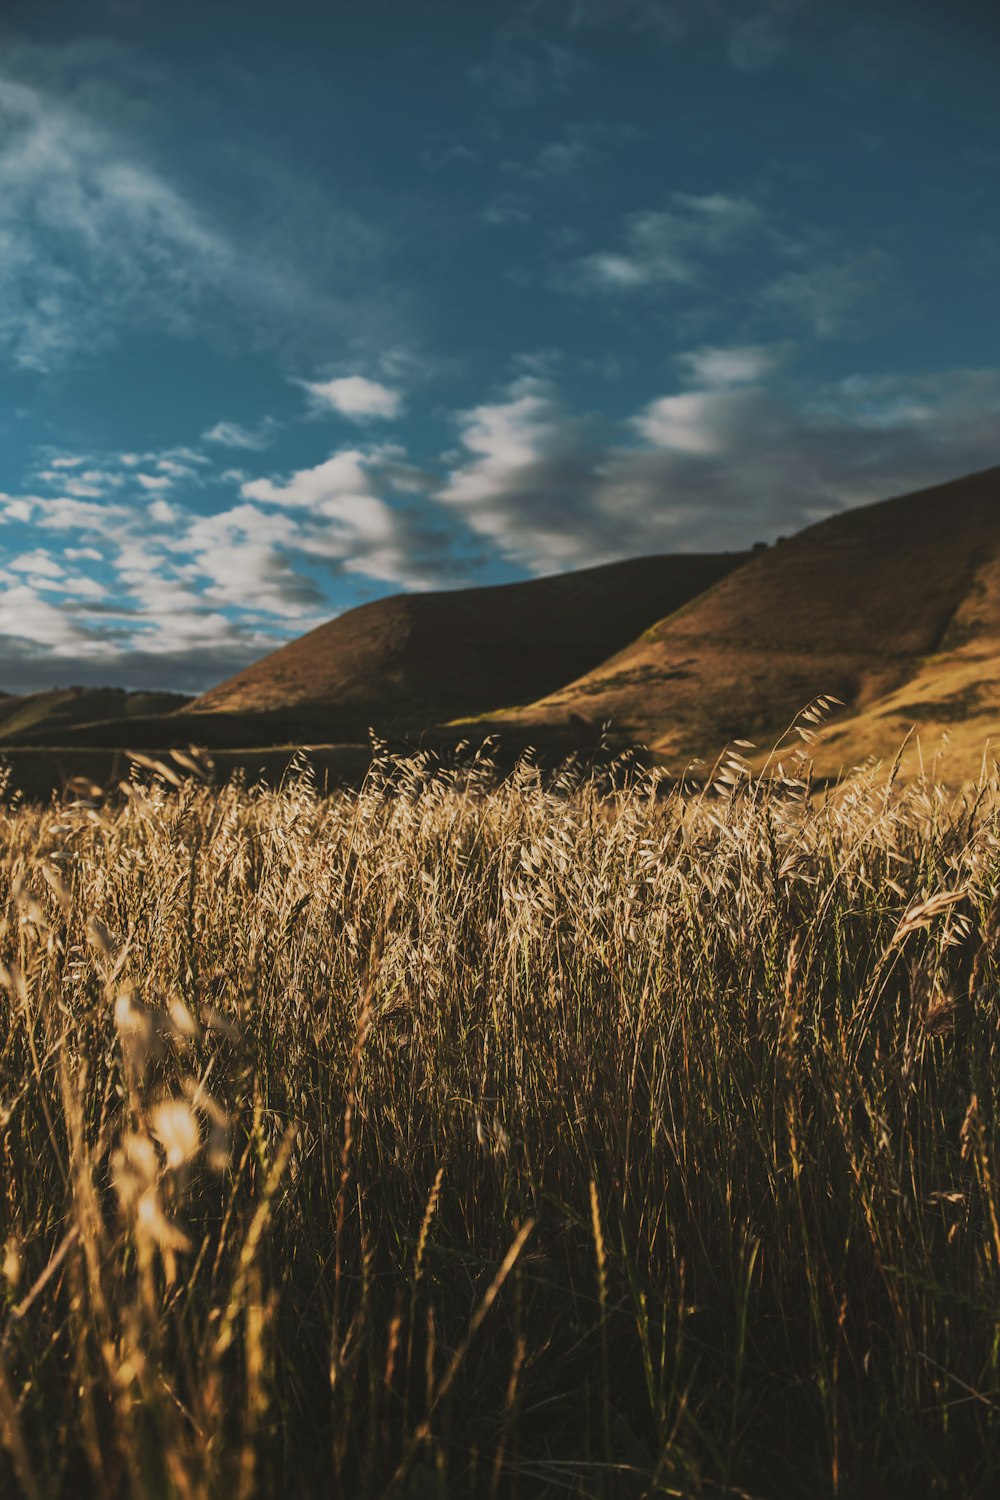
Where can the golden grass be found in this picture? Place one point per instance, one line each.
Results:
(474, 1137)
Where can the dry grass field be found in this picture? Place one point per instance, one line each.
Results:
(468, 1136)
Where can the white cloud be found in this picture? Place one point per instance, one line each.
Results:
(710, 468)
(505, 439)
(723, 367)
(38, 563)
(239, 553)
(339, 477)
(506, 210)
(696, 421)
(26, 617)
(66, 513)
(353, 396)
(524, 459)
(346, 522)
(18, 507)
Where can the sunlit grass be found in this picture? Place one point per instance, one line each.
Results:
(477, 1137)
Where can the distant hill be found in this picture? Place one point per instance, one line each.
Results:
(893, 607)
(56, 712)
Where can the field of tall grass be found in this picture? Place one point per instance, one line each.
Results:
(469, 1136)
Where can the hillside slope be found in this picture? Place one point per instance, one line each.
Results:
(408, 662)
(55, 712)
(893, 607)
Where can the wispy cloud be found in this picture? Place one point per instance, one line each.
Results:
(670, 245)
(90, 240)
(235, 435)
(835, 294)
(353, 396)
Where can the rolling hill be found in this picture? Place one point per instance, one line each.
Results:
(406, 663)
(57, 712)
(893, 607)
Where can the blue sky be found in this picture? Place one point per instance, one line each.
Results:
(305, 304)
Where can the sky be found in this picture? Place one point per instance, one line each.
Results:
(306, 304)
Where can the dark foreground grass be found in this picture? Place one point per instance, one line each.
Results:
(462, 1139)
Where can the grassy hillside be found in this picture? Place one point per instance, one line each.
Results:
(892, 607)
(413, 660)
(56, 712)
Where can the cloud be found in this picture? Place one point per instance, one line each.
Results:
(233, 435)
(38, 563)
(708, 468)
(698, 422)
(737, 366)
(341, 476)
(526, 460)
(99, 241)
(240, 553)
(347, 523)
(122, 576)
(793, 277)
(31, 623)
(90, 240)
(670, 245)
(353, 396)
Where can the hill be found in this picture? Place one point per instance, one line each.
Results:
(57, 712)
(405, 663)
(893, 607)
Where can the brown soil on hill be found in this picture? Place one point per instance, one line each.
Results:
(893, 607)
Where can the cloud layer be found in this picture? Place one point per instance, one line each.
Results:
(716, 465)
